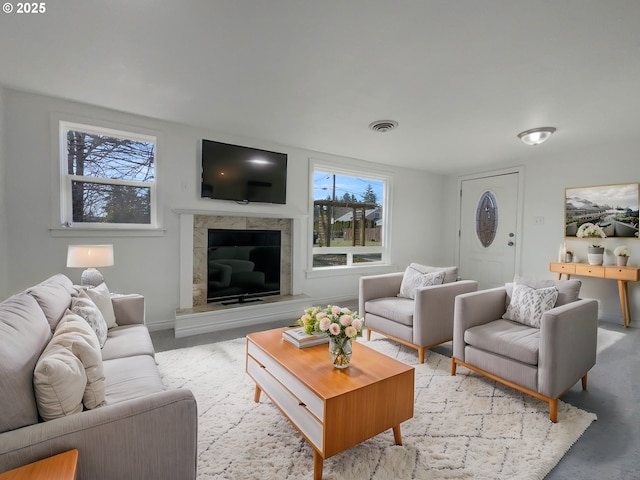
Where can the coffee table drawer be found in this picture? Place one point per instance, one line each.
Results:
(306, 396)
(296, 411)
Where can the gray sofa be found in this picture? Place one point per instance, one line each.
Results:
(139, 431)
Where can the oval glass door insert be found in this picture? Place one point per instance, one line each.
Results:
(487, 219)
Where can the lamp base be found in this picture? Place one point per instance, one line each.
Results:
(91, 277)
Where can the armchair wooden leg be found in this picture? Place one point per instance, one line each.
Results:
(584, 382)
(368, 334)
(553, 410)
(421, 355)
(453, 367)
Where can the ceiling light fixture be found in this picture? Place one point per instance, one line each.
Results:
(383, 126)
(536, 136)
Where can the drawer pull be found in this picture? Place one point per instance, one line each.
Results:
(301, 404)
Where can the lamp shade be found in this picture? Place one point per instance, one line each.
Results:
(85, 256)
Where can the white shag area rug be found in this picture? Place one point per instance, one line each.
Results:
(464, 427)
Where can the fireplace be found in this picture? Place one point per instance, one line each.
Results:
(230, 227)
(242, 265)
(194, 315)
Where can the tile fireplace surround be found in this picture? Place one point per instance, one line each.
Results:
(201, 225)
(194, 315)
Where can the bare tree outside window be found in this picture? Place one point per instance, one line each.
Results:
(111, 177)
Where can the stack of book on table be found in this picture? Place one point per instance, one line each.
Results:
(301, 339)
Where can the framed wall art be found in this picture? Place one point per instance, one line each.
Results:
(614, 208)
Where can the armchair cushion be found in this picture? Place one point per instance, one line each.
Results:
(528, 304)
(506, 338)
(399, 310)
(414, 277)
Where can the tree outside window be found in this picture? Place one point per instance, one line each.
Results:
(109, 176)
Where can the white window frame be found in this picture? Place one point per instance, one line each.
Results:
(66, 179)
(363, 171)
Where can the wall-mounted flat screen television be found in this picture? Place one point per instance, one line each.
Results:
(243, 174)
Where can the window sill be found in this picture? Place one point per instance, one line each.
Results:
(69, 232)
(344, 271)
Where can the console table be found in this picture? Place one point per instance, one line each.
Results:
(610, 272)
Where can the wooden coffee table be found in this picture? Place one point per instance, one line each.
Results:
(59, 467)
(333, 409)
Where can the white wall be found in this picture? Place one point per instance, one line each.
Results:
(150, 265)
(3, 222)
(545, 178)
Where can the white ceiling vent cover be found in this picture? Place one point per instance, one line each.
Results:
(383, 126)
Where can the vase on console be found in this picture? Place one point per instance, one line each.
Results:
(621, 261)
(595, 255)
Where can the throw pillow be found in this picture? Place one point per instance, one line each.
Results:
(83, 306)
(102, 298)
(451, 273)
(95, 390)
(59, 381)
(414, 278)
(77, 336)
(529, 304)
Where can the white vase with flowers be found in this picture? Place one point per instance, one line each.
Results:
(595, 252)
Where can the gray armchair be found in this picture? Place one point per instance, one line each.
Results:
(542, 362)
(420, 323)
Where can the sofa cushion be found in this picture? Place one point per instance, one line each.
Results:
(83, 306)
(506, 338)
(414, 278)
(529, 304)
(127, 341)
(59, 380)
(131, 377)
(77, 336)
(24, 334)
(568, 290)
(54, 297)
(102, 298)
(394, 308)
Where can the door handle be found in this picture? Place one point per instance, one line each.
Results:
(510, 244)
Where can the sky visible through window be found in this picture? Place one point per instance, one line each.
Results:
(354, 186)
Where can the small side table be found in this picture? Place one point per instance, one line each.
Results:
(59, 467)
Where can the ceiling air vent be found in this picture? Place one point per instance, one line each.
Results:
(383, 126)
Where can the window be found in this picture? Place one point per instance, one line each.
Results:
(348, 218)
(108, 177)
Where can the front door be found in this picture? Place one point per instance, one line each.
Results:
(488, 221)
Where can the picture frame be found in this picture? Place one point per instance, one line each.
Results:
(612, 207)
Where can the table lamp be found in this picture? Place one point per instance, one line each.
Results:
(90, 257)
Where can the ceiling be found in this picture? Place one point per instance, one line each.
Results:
(462, 78)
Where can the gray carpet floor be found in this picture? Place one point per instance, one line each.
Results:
(609, 449)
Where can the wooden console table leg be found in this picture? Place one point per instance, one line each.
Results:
(256, 395)
(317, 465)
(397, 436)
(623, 292)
